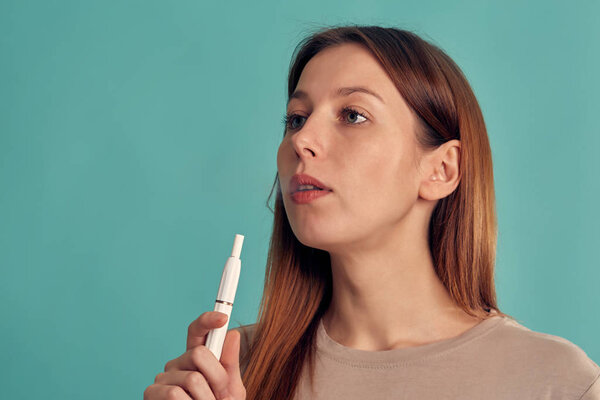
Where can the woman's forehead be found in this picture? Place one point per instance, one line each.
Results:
(343, 70)
(343, 65)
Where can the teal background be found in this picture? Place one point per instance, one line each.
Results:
(138, 137)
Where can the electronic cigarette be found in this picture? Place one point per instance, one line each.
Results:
(224, 303)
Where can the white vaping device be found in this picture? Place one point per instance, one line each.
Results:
(224, 303)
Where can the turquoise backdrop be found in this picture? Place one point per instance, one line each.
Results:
(138, 137)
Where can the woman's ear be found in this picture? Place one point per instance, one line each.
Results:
(440, 171)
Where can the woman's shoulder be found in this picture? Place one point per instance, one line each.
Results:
(515, 333)
(550, 355)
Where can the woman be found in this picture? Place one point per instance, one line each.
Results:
(380, 279)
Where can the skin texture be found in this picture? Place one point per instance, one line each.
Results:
(374, 223)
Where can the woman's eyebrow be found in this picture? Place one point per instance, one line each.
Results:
(343, 91)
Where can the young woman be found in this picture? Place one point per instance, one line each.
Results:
(380, 273)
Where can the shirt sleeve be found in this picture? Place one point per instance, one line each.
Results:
(593, 392)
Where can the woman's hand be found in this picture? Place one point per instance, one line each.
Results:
(197, 374)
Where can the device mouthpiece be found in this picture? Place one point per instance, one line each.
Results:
(237, 246)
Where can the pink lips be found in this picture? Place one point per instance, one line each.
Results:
(306, 196)
(304, 179)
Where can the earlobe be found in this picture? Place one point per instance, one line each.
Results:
(429, 188)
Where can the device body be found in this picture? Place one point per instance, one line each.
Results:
(225, 296)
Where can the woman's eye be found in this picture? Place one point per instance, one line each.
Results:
(350, 111)
(288, 120)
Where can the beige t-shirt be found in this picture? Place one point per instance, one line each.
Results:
(496, 359)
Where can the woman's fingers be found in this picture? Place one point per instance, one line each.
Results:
(197, 374)
(200, 327)
(201, 359)
(230, 360)
(166, 392)
(193, 382)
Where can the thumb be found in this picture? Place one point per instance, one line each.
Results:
(230, 356)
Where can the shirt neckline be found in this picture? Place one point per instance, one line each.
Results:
(360, 358)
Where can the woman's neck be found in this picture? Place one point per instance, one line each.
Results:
(381, 302)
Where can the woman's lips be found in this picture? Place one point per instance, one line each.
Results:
(306, 196)
(304, 179)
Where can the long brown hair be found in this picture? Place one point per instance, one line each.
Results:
(462, 229)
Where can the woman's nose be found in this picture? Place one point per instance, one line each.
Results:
(307, 140)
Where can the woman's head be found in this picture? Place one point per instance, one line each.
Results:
(364, 147)
(424, 147)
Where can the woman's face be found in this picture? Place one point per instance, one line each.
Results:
(370, 162)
